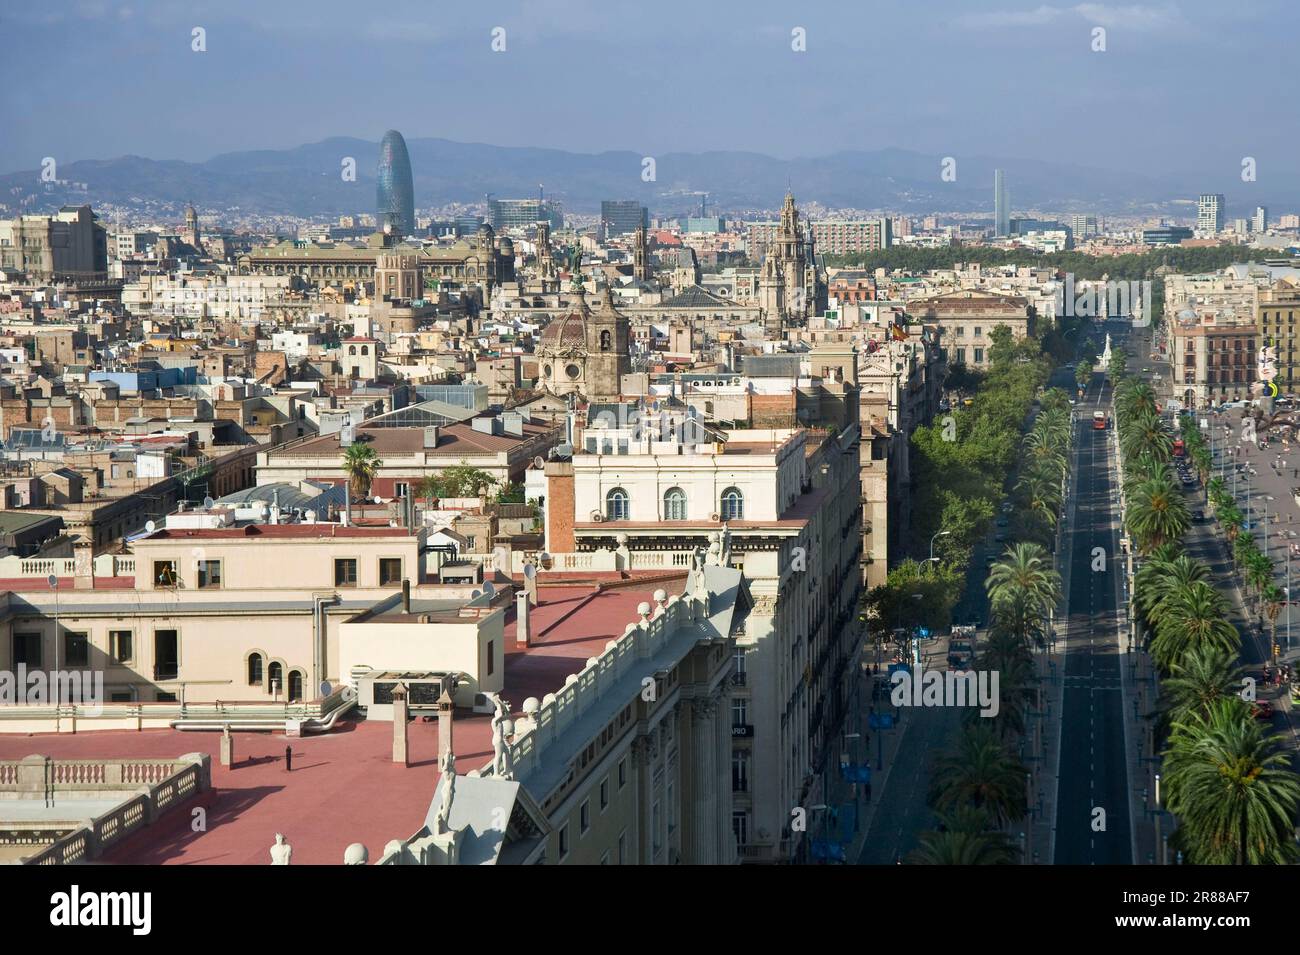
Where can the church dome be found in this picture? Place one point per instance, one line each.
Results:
(565, 332)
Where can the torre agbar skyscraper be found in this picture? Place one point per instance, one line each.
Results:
(395, 195)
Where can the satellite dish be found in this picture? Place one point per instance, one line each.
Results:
(208, 503)
(326, 688)
(539, 462)
(489, 589)
(529, 572)
(379, 500)
(53, 582)
(475, 594)
(150, 526)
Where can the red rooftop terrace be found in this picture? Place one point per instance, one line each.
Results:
(344, 786)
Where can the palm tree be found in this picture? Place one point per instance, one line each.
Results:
(964, 839)
(1203, 462)
(1232, 788)
(1195, 616)
(1007, 653)
(1157, 513)
(1025, 570)
(1042, 496)
(1214, 491)
(1134, 398)
(361, 464)
(1045, 456)
(1146, 436)
(1274, 598)
(1166, 580)
(1202, 677)
(1259, 571)
(1231, 518)
(980, 772)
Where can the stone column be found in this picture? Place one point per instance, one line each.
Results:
(726, 840)
(227, 749)
(703, 781)
(643, 772)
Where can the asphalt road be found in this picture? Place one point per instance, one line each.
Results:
(1093, 769)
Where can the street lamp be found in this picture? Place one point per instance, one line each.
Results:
(932, 539)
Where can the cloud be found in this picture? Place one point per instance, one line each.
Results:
(1132, 17)
(1009, 18)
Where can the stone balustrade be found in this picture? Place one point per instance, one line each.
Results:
(161, 785)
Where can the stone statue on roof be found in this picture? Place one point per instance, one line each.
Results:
(442, 821)
(281, 852)
(502, 763)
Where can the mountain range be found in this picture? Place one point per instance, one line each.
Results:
(308, 181)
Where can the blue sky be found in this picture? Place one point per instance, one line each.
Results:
(1190, 85)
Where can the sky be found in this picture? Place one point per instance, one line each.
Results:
(1186, 85)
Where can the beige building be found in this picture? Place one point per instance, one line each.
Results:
(966, 320)
(68, 245)
(786, 505)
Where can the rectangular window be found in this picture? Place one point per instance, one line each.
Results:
(76, 649)
(740, 771)
(564, 840)
(622, 772)
(166, 655)
(120, 645)
(491, 657)
(345, 572)
(27, 649)
(604, 793)
(401, 489)
(164, 573)
(584, 816)
(622, 847)
(740, 827)
(209, 574)
(979, 356)
(390, 571)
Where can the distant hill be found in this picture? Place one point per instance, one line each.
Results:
(306, 181)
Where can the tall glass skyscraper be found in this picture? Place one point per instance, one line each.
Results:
(395, 195)
(1001, 204)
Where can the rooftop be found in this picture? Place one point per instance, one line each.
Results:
(344, 786)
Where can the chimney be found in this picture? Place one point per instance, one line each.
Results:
(83, 565)
(406, 595)
(522, 623)
(560, 504)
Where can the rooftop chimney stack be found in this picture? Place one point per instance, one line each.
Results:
(522, 633)
(406, 595)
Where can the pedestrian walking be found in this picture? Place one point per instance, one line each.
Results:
(288, 759)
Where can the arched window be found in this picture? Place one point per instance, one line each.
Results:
(674, 504)
(616, 505)
(352, 349)
(254, 669)
(733, 504)
(275, 676)
(604, 341)
(365, 349)
(295, 686)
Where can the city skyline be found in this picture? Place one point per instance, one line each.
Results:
(1157, 127)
